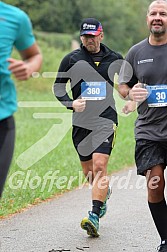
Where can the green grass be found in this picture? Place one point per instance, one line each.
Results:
(26, 184)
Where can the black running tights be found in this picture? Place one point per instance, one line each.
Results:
(7, 139)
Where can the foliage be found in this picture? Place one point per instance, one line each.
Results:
(52, 15)
(123, 20)
(57, 40)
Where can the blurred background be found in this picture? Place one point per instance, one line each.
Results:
(123, 21)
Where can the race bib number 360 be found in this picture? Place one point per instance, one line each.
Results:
(157, 96)
(93, 90)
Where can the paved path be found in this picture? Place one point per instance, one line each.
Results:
(55, 225)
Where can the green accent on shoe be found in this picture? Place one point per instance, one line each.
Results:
(91, 224)
(103, 209)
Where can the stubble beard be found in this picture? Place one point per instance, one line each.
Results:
(158, 32)
(91, 48)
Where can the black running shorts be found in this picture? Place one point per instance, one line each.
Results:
(87, 142)
(149, 153)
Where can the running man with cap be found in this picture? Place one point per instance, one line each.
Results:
(94, 113)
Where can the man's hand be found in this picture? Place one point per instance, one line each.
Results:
(79, 105)
(138, 93)
(129, 107)
(20, 69)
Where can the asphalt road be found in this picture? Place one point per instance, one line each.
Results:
(55, 225)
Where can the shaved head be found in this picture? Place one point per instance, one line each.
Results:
(164, 2)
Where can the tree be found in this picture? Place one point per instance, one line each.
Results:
(123, 21)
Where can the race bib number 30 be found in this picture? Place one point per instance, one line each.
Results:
(157, 96)
(93, 90)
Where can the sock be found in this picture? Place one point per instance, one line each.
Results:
(159, 214)
(96, 206)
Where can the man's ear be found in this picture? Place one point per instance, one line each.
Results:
(102, 35)
(81, 38)
(147, 20)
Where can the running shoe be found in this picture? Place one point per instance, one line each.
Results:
(91, 224)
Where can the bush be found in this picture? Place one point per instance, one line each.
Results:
(56, 40)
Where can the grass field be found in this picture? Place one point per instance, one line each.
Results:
(44, 147)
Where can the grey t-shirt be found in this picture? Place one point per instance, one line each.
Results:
(149, 64)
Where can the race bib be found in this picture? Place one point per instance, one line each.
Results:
(157, 95)
(93, 90)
